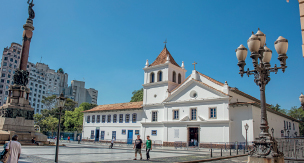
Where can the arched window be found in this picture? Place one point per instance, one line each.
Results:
(159, 76)
(88, 119)
(174, 77)
(152, 77)
(179, 78)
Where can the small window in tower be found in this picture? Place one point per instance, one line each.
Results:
(152, 77)
(179, 78)
(174, 77)
(160, 76)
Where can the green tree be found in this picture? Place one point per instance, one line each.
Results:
(53, 110)
(73, 120)
(87, 106)
(137, 95)
(278, 108)
(46, 121)
(49, 102)
(297, 113)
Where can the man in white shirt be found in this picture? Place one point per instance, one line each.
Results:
(112, 142)
(15, 150)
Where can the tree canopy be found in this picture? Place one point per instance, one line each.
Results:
(87, 106)
(137, 95)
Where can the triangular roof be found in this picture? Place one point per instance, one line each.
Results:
(162, 58)
(199, 82)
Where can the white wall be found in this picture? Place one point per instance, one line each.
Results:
(109, 127)
(274, 121)
(239, 116)
(214, 132)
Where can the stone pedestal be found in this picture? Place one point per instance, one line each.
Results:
(252, 159)
(16, 117)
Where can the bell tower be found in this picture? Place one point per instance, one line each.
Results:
(161, 77)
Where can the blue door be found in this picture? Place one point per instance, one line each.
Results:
(130, 136)
(114, 134)
(102, 135)
(97, 135)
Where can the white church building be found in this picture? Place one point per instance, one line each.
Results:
(195, 109)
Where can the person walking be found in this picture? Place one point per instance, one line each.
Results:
(15, 150)
(78, 138)
(112, 142)
(69, 139)
(148, 147)
(138, 145)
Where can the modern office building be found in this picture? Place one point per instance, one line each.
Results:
(80, 94)
(10, 61)
(44, 82)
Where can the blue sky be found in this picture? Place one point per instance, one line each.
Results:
(106, 43)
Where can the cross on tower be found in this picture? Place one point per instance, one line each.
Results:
(165, 42)
(194, 63)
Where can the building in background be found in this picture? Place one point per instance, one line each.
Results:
(80, 94)
(10, 61)
(43, 81)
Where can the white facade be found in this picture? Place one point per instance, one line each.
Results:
(193, 109)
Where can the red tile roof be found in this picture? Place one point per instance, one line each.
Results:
(119, 106)
(235, 90)
(211, 79)
(162, 58)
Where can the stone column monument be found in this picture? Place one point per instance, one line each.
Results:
(16, 116)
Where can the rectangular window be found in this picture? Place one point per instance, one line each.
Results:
(134, 117)
(289, 126)
(103, 120)
(114, 118)
(136, 132)
(3, 75)
(88, 119)
(2, 80)
(176, 114)
(7, 81)
(154, 116)
(123, 132)
(98, 119)
(92, 134)
(109, 118)
(120, 118)
(212, 112)
(127, 118)
(193, 114)
(93, 118)
(154, 132)
(284, 125)
(293, 126)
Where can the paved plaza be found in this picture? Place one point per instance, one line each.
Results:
(73, 152)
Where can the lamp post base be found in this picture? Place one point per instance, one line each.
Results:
(253, 159)
(265, 149)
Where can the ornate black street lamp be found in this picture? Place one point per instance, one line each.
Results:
(301, 98)
(60, 102)
(265, 145)
(246, 128)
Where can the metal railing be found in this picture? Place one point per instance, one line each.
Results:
(293, 148)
